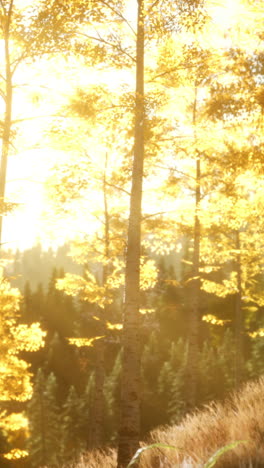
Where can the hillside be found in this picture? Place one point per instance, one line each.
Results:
(202, 433)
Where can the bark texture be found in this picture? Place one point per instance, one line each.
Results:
(195, 285)
(97, 411)
(129, 432)
(239, 319)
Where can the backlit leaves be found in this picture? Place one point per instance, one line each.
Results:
(14, 372)
(87, 289)
(84, 342)
(148, 274)
(16, 454)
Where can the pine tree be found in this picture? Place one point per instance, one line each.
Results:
(172, 383)
(86, 409)
(112, 399)
(59, 357)
(255, 363)
(209, 374)
(152, 410)
(44, 423)
(71, 442)
(226, 359)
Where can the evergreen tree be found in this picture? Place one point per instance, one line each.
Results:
(152, 410)
(44, 423)
(60, 312)
(86, 405)
(225, 355)
(172, 382)
(71, 426)
(208, 373)
(112, 399)
(27, 304)
(59, 357)
(255, 364)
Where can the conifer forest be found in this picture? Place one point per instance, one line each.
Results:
(131, 233)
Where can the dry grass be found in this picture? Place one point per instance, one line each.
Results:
(202, 433)
(97, 459)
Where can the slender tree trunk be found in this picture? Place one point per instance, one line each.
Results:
(97, 413)
(97, 420)
(106, 223)
(192, 357)
(129, 431)
(239, 319)
(43, 417)
(6, 20)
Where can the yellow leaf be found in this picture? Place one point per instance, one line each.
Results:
(79, 342)
(114, 326)
(146, 311)
(15, 454)
(214, 320)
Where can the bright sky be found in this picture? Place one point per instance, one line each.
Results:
(27, 173)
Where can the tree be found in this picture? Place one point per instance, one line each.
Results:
(44, 427)
(72, 443)
(15, 384)
(201, 152)
(211, 69)
(112, 398)
(129, 432)
(27, 32)
(86, 408)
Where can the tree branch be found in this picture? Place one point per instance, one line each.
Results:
(153, 5)
(103, 41)
(171, 70)
(117, 188)
(174, 170)
(157, 214)
(120, 16)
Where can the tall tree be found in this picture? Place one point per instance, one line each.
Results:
(15, 384)
(72, 444)
(43, 415)
(7, 95)
(129, 431)
(27, 32)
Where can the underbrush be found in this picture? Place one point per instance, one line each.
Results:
(96, 459)
(240, 417)
(202, 433)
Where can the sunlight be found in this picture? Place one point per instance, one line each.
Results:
(133, 132)
(27, 173)
(225, 12)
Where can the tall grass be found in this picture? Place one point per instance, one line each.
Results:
(201, 434)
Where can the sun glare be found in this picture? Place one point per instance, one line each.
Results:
(40, 94)
(27, 173)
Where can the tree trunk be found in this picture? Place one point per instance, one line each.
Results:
(129, 432)
(194, 322)
(6, 20)
(97, 413)
(97, 419)
(239, 320)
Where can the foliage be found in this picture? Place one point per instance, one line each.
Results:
(44, 423)
(203, 106)
(71, 425)
(15, 373)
